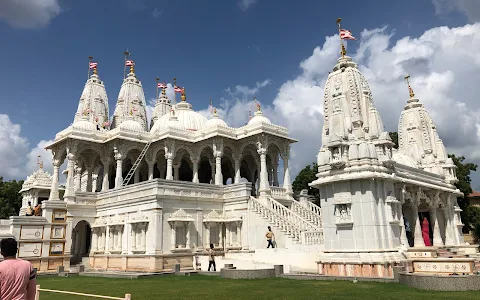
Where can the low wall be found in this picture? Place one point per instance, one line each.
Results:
(141, 263)
(247, 274)
(440, 282)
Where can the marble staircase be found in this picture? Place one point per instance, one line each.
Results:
(299, 229)
(309, 211)
(451, 253)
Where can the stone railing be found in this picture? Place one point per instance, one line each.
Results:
(85, 198)
(149, 190)
(311, 213)
(274, 218)
(279, 193)
(312, 237)
(291, 216)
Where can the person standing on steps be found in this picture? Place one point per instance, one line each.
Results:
(270, 238)
(17, 277)
(211, 259)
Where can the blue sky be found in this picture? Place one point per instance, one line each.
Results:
(208, 45)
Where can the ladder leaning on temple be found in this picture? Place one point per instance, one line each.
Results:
(136, 164)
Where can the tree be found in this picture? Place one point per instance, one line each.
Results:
(10, 199)
(470, 214)
(394, 137)
(307, 175)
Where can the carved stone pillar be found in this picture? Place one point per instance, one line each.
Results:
(70, 191)
(118, 174)
(239, 234)
(173, 235)
(207, 236)
(212, 166)
(418, 239)
(187, 241)
(237, 169)
(287, 185)
(151, 165)
(54, 194)
(176, 172)
(195, 171)
(136, 176)
(264, 186)
(449, 237)
(89, 179)
(106, 168)
(275, 171)
(403, 232)
(437, 238)
(169, 158)
(218, 170)
(78, 178)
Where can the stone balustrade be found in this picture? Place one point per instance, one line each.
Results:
(279, 193)
(291, 216)
(312, 237)
(172, 188)
(311, 213)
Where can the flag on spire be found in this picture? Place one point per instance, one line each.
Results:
(177, 89)
(346, 35)
(162, 85)
(92, 65)
(129, 63)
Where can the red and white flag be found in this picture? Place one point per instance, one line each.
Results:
(93, 65)
(162, 85)
(346, 35)
(177, 89)
(129, 63)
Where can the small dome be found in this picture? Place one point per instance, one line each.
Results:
(405, 160)
(131, 125)
(216, 121)
(84, 125)
(259, 118)
(187, 117)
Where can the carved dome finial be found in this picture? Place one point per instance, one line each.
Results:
(410, 90)
(184, 97)
(39, 162)
(257, 104)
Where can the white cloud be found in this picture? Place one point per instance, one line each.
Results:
(29, 13)
(443, 65)
(17, 159)
(245, 4)
(471, 8)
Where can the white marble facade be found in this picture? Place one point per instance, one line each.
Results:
(368, 188)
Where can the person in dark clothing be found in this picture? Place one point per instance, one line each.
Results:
(211, 259)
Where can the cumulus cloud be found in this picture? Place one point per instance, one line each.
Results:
(17, 159)
(470, 8)
(29, 13)
(443, 65)
(246, 4)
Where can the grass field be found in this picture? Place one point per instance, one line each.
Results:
(210, 287)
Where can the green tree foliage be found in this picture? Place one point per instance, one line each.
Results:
(10, 199)
(303, 178)
(470, 214)
(394, 137)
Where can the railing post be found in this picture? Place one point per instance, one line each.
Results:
(37, 292)
(128, 297)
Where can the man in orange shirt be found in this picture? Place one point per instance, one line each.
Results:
(17, 276)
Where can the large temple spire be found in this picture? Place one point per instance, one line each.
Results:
(93, 104)
(131, 98)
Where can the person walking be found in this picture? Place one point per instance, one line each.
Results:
(270, 238)
(17, 277)
(211, 259)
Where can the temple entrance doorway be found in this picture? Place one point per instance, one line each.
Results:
(81, 242)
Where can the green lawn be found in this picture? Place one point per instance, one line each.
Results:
(209, 287)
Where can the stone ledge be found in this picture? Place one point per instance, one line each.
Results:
(439, 282)
(326, 277)
(247, 273)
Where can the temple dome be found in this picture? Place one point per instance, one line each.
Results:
(186, 116)
(405, 160)
(216, 121)
(259, 118)
(131, 125)
(93, 104)
(84, 125)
